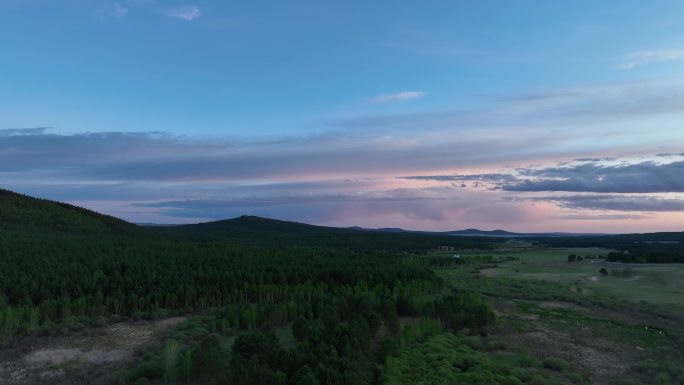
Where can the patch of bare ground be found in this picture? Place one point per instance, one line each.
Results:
(503, 307)
(601, 360)
(85, 358)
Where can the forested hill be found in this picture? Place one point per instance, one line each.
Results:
(44, 225)
(24, 216)
(249, 226)
(260, 231)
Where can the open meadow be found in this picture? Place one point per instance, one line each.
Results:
(611, 326)
(653, 283)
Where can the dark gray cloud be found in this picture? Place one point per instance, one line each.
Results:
(644, 177)
(611, 202)
(583, 175)
(493, 177)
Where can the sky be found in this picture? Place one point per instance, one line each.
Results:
(428, 115)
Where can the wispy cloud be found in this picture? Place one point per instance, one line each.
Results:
(612, 202)
(603, 217)
(155, 156)
(492, 177)
(22, 131)
(568, 110)
(397, 97)
(643, 57)
(184, 13)
(114, 11)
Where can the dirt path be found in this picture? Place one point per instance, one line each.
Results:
(96, 353)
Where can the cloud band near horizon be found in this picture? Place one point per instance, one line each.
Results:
(335, 180)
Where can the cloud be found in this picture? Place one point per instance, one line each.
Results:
(625, 109)
(154, 156)
(643, 57)
(324, 207)
(543, 95)
(184, 13)
(603, 217)
(492, 177)
(158, 156)
(612, 202)
(642, 177)
(397, 206)
(321, 179)
(397, 97)
(114, 11)
(663, 174)
(23, 131)
(360, 164)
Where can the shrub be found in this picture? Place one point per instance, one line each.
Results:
(538, 379)
(492, 346)
(525, 359)
(142, 381)
(522, 374)
(557, 364)
(473, 342)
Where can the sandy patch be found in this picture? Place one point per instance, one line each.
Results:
(46, 360)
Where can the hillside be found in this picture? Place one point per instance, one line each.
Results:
(259, 231)
(25, 216)
(250, 226)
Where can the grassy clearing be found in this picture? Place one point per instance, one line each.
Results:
(573, 321)
(625, 324)
(653, 283)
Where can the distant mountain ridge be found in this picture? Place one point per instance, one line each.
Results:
(479, 233)
(29, 215)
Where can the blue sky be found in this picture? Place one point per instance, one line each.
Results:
(317, 108)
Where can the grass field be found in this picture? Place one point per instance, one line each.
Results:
(654, 283)
(624, 324)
